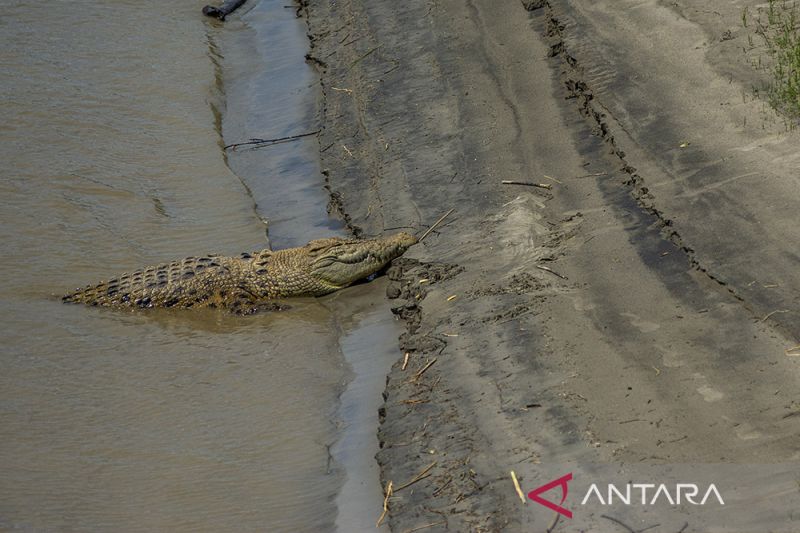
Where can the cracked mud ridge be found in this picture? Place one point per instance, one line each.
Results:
(631, 296)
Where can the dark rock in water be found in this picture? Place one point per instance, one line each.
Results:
(227, 7)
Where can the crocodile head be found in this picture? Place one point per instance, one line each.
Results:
(339, 262)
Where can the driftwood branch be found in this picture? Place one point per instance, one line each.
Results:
(270, 142)
(528, 183)
(227, 7)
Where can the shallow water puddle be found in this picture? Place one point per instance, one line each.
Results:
(278, 99)
(368, 343)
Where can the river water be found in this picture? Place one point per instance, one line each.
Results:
(114, 117)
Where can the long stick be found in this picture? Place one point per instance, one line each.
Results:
(436, 224)
(273, 141)
(528, 183)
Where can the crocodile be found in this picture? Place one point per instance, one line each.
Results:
(243, 284)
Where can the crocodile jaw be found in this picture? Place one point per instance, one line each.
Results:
(347, 261)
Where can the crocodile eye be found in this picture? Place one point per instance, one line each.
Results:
(320, 245)
(324, 261)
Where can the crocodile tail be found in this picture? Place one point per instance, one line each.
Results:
(155, 286)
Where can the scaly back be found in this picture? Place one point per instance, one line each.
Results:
(183, 283)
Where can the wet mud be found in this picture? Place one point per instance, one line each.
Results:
(608, 317)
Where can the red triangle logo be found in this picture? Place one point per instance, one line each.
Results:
(562, 482)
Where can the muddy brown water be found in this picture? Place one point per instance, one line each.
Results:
(111, 139)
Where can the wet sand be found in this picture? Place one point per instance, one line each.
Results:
(637, 309)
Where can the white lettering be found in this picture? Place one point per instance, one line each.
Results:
(683, 492)
(713, 489)
(626, 499)
(644, 487)
(662, 489)
(688, 496)
(594, 489)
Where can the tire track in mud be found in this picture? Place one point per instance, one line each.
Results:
(572, 74)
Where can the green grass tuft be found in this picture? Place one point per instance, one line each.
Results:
(777, 24)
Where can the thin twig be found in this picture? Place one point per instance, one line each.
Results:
(385, 504)
(553, 524)
(405, 360)
(362, 57)
(528, 183)
(424, 368)
(592, 175)
(436, 224)
(426, 526)
(630, 529)
(546, 269)
(351, 41)
(414, 402)
(418, 477)
(772, 313)
(518, 488)
(273, 141)
(792, 352)
(440, 489)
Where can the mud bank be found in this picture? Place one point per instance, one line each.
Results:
(620, 312)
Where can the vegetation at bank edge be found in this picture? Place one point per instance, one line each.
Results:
(777, 24)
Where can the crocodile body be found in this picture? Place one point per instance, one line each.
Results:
(241, 284)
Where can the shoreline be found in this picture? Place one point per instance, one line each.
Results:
(539, 321)
(271, 92)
